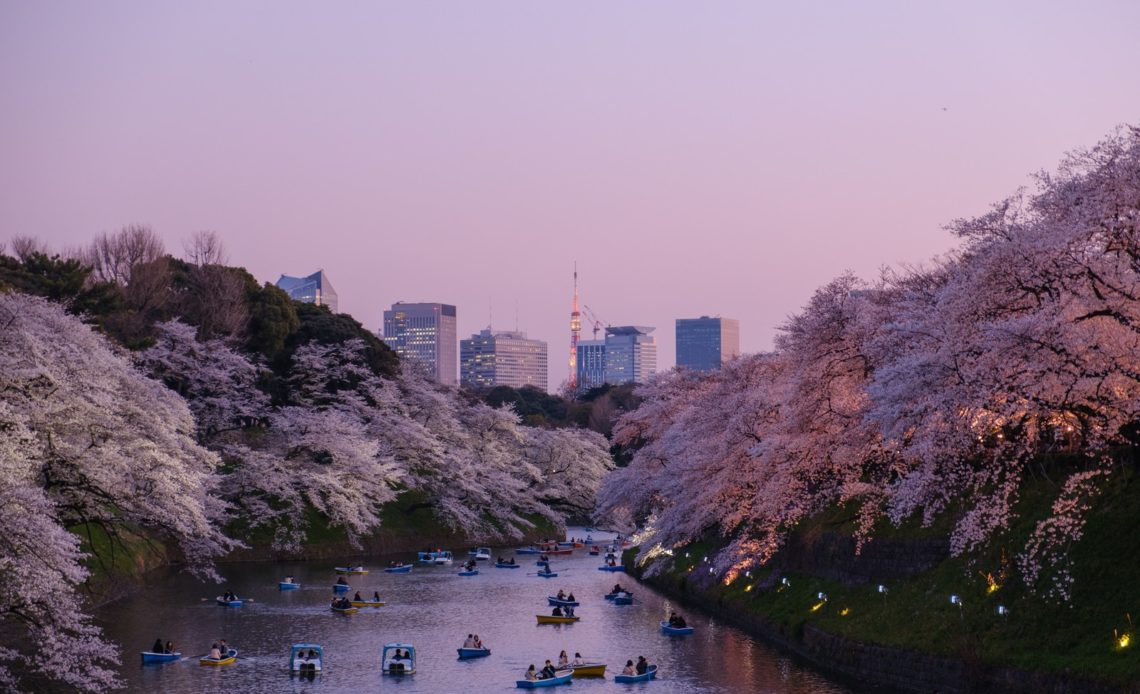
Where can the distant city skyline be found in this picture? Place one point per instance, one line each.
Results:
(727, 157)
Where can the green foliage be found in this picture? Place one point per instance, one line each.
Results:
(318, 324)
(61, 280)
(272, 318)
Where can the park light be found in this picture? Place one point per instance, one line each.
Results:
(845, 611)
(785, 581)
(955, 600)
(821, 595)
(1002, 610)
(748, 588)
(1122, 640)
(882, 589)
(815, 607)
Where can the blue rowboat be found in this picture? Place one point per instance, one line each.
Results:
(152, 657)
(543, 574)
(506, 566)
(650, 673)
(468, 653)
(401, 569)
(560, 677)
(623, 599)
(340, 587)
(554, 600)
(285, 585)
(473, 572)
(607, 567)
(228, 603)
(528, 550)
(675, 631)
(567, 544)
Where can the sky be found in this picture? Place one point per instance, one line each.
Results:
(713, 158)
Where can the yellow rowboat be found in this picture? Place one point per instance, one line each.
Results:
(551, 619)
(589, 670)
(345, 610)
(368, 603)
(229, 659)
(352, 570)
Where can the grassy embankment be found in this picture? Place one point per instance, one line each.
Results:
(1082, 637)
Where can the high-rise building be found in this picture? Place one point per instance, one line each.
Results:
(314, 289)
(631, 354)
(704, 343)
(502, 358)
(591, 364)
(424, 334)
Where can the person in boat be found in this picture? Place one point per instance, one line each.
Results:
(157, 646)
(617, 588)
(563, 659)
(531, 675)
(511, 561)
(288, 579)
(546, 569)
(548, 671)
(223, 647)
(628, 668)
(169, 647)
(375, 596)
(570, 597)
(561, 594)
(215, 652)
(577, 660)
(478, 642)
(470, 642)
(676, 621)
(340, 581)
(642, 665)
(569, 611)
(611, 561)
(556, 612)
(357, 597)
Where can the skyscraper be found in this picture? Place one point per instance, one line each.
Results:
(424, 334)
(502, 358)
(591, 364)
(631, 354)
(314, 289)
(704, 343)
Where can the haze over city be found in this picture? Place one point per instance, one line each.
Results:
(721, 159)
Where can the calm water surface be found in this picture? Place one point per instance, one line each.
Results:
(434, 609)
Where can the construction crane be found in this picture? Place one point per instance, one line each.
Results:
(598, 323)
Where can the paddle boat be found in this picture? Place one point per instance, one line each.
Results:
(228, 658)
(306, 657)
(503, 565)
(552, 619)
(472, 572)
(559, 552)
(352, 570)
(429, 556)
(547, 573)
(675, 631)
(623, 599)
(560, 677)
(288, 585)
(228, 603)
(528, 550)
(367, 603)
(615, 567)
(589, 670)
(399, 569)
(480, 553)
(152, 657)
(398, 659)
(469, 653)
(561, 602)
(650, 673)
(594, 551)
(443, 557)
(340, 587)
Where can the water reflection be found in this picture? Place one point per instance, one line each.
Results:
(433, 609)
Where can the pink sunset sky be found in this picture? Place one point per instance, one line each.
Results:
(694, 158)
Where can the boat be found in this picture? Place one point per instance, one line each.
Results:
(589, 670)
(469, 653)
(501, 565)
(569, 544)
(480, 553)
(344, 610)
(352, 570)
(401, 569)
(589, 530)
(561, 602)
(552, 619)
(368, 603)
(306, 657)
(623, 599)
(675, 631)
(528, 550)
(340, 587)
(559, 552)
(615, 567)
(392, 665)
(288, 585)
(595, 552)
(429, 557)
(649, 674)
(152, 657)
(560, 677)
(443, 557)
(547, 574)
(472, 572)
(228, 603)
(228, 659)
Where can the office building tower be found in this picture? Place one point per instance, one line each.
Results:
(591, 364)
(704, 344)
(424, 334)
(502, 358)
(631, 354)
(314, 289)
